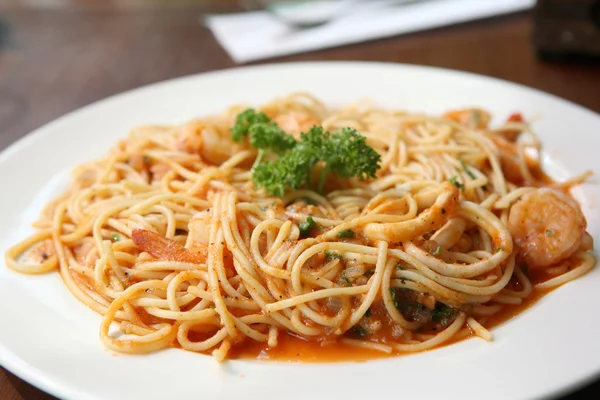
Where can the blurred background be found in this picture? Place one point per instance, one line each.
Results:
(59, 55)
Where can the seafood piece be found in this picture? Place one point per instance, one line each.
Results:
(547, 226)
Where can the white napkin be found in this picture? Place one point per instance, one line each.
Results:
(257, 35)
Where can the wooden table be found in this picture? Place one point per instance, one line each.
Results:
(56, 58)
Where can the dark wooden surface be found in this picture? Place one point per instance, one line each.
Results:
(56, 58)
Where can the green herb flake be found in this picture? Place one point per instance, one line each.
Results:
(436, 251)
(307, 226)
(499, 249)
(115, 237)
(467, 170)
(394, 300)
(330, 255)
(454, 180)
(400, 267)
(442, 312)
(549, 233)
(349, 234)
(346, 280)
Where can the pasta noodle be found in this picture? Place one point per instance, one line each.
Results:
(168, 236)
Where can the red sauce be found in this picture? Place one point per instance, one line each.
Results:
(291, 348)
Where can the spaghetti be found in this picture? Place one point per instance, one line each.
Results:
(168, 236)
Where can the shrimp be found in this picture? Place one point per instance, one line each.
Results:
(508, 154)
(199, 229)
(295, 122)
(512, 134)
(166, 249)
(547, 226)
(473, 118)
(214, 145)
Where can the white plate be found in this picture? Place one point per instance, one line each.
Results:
(48, 338)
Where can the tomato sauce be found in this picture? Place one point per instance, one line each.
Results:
(291, 348)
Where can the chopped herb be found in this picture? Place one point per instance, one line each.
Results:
(212, 306)
(453, 179)
(349, 234)
(307, 226)
(436, 251)
(147, 160)
(442, 312)
(501, 248)
(359, 332)
(346, 280)
(369, 272)
(467, 170)
(115, 237)
(330, 255)
(368, 313)
(549, 233)
(400, 266)
(393, 294)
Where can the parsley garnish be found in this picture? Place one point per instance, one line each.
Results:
(436, 251)
(245, 120)
(307, 226)
(467, 170)
(400, 266)
(343, 153)
(115, 237)
(349, 234)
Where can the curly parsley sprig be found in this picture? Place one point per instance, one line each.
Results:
(344, 153)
